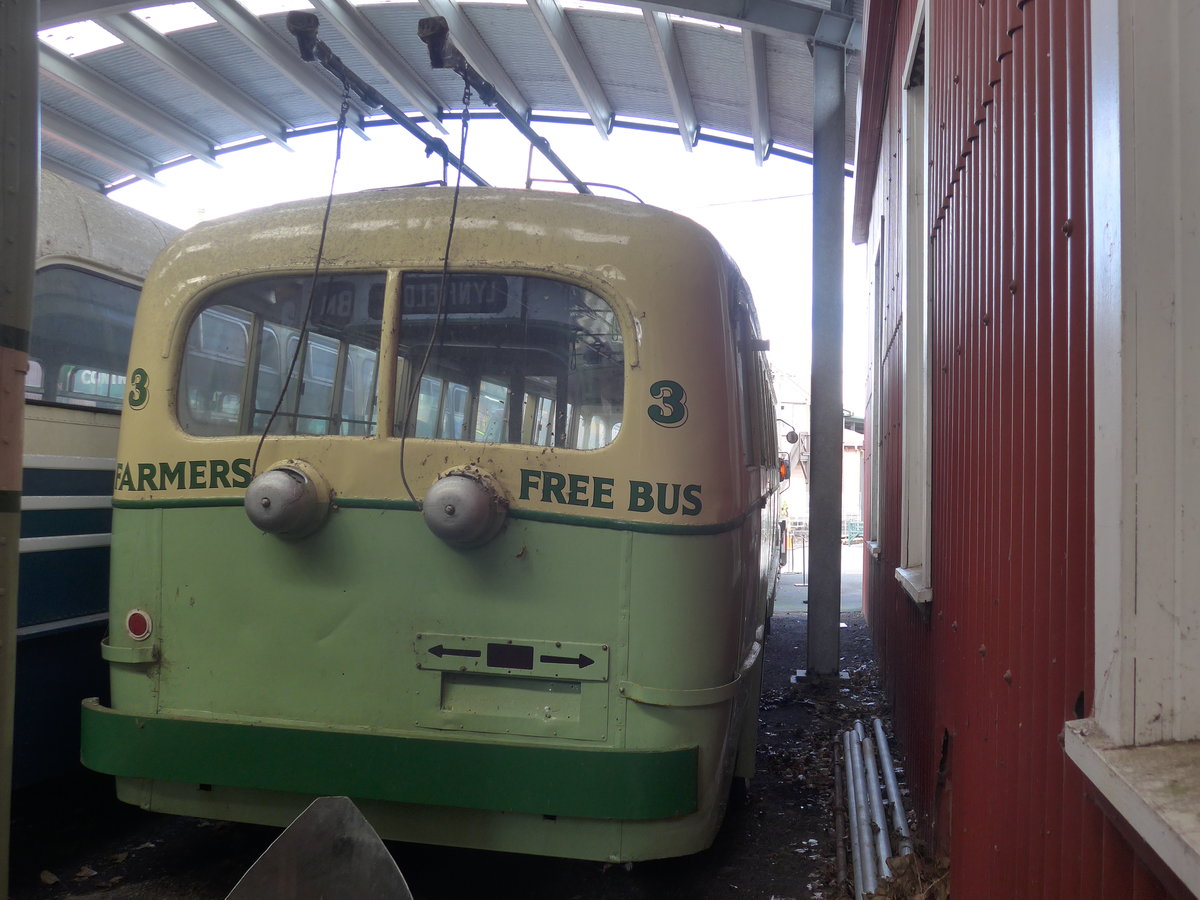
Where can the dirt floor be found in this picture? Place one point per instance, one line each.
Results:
(74, 840)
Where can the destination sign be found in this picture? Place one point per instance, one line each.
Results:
(421, 294)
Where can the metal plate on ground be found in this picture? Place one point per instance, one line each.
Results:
(330, 852)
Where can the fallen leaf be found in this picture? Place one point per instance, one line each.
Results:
(48, 877)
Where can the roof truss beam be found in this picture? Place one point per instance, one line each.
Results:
(575, 62)
(82, 80)
(666, 46)
(66, 170)
(755, 44)
(137, 34)
(96, 145)
(477, 52)
(267, 44)
(359, 31)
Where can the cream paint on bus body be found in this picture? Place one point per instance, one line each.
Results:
(362, 237)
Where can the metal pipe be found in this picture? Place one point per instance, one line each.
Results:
(877, 836)
(839, 816)
(899, 818)
(883, 845)
(442, 54)
(852, 810)
(304, 26)
(862, 819)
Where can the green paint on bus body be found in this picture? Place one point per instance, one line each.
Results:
(342, 641)
(547, 780)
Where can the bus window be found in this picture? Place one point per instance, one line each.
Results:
(89, 386)
(33, 381)
(316, 400)
(234, 383)
(214, 371)
(358, 391)
(491, 420)
(79, 340)
(490, 345)
(454, 412)
(427, 406)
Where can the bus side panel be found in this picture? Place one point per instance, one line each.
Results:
(64, 571)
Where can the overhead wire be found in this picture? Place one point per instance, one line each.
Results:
(312, 289)
(414, 388)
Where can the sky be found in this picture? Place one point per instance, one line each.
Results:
(762, 215)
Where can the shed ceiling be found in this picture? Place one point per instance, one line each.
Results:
(736, 71)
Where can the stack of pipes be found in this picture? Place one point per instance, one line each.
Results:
(866, 780)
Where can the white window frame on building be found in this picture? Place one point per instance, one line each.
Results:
(913, 571)
(875, 410)
(1141, 748)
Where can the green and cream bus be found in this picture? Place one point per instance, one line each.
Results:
(484, 539)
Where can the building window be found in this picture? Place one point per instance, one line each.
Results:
(913, 571)
(875, 410)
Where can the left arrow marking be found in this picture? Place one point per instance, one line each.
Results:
(439, 651)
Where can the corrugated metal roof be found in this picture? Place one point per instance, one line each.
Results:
(211, 84)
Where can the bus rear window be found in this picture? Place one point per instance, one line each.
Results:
(79, 340)
(508, 359)
(241, 348)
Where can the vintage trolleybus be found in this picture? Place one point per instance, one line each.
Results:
(500, 566)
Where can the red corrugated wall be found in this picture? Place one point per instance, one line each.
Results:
(982, 680)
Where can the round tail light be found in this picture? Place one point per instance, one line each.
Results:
(465, 507)
(290, 499)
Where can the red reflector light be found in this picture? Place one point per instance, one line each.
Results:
(137, 623)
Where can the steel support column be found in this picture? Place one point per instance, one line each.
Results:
(19, 152)
(825, 465)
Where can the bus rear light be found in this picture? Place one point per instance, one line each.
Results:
(138, 624)
(465, 507)
(290, 499)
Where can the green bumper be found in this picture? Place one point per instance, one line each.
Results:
(584, 783)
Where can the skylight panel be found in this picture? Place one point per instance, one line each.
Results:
(595, 6)
(267, 7)
(174, 17)
(688, 20)
(79, 38)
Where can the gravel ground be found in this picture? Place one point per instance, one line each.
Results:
(74, 840)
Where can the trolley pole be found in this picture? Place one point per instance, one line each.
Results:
(19, 172)
(825, 459)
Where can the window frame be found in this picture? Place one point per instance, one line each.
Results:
(913, 570)
(1140, 749)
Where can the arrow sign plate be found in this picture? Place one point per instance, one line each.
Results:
(566, 660)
